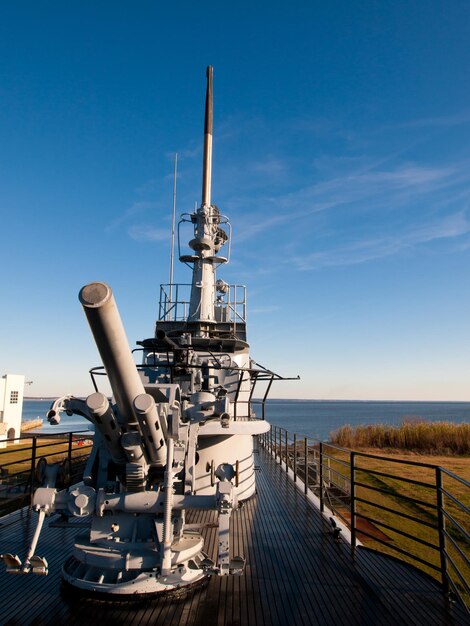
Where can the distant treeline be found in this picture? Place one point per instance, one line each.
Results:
(419, 436)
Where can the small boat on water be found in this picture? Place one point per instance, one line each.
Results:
(178, 433)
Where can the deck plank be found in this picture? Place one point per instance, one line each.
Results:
(296, 573)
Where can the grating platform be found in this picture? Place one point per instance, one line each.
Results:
(296, 573)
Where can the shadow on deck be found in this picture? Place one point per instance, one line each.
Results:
(296, 573)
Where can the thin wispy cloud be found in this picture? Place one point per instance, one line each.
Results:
(392, 187)
(136, 209)
(317, 125)
(446, 121)
(190, 151)
(464, 245)
(351, 187)
(148, 233)
(273, 195)
(450, 227)
(253, 225)
(408, 176)
(149, 186)
(271, 166)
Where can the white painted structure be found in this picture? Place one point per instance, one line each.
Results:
(177, 435)
(11, 407)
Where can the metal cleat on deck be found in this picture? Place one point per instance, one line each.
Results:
(38, 565)
(12, 563)
(237, 565)
(336, 529)
(33, 564)
(208, 566)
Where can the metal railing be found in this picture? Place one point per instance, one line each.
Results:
(175, 300)
(417, 512)
(19, 460)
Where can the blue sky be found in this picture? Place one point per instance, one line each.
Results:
(341, 155)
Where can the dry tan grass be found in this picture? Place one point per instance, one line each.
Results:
(441, 438)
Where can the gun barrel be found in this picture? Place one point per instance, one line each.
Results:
(105, 322)
(207, 164)
(105, 422)
(161, 334)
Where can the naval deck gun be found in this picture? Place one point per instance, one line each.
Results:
(177, 433)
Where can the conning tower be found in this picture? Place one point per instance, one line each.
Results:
(177, 433)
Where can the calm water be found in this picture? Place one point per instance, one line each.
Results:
(307, 417)
(319, 418)
(32, 409)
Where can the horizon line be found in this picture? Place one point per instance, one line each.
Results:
(258, 400)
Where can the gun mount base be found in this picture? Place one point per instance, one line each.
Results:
(126, 584)
(138, 592)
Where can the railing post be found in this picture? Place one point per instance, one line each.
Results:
(352, 463)
(295, 457)
(33, 468)
(280, 446)
(69, 453)
(441, 525)
(306, 465)
(287, 452)
(322, 507)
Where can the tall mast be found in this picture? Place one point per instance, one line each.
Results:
(207, 163)
(206, 226)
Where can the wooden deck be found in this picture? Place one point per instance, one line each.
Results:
(296, 574)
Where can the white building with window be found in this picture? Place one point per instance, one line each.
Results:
(11, 407)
